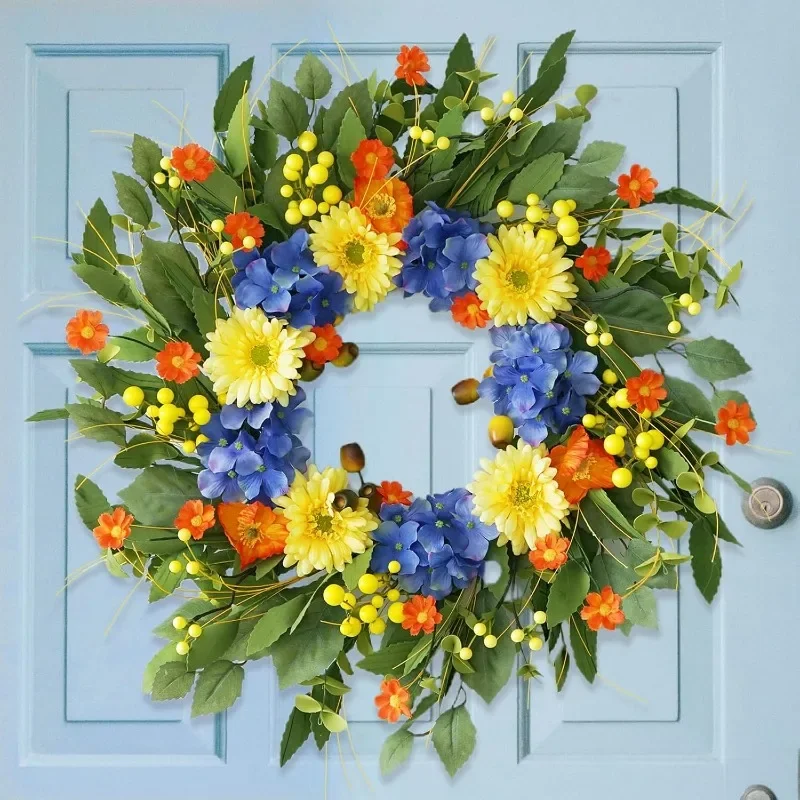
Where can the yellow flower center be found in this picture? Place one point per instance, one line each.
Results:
(644, 391)
(87, 331)
(605, 609)
(116, 532)
(262, 355)
(189, 164)
(634, 185)
(354, 252)
(382, 205)
(394, 701)
(197, 521)
(324, 523)
(422, 617)
(522, 495)
(472, 309)
(320, 343)
(549, 555)
(177, 361)
(519, 279)
(733, 424)
(243, 232)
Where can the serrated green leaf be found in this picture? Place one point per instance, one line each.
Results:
(98, 423)
(351, 134)
(163, 582)
(287, 111)
(492, 667)
(601, 158)
(356, 568)
(454, 738)
(682, 197)
(312, 78)
(237, 141)
(218, 688)
(139, 344)
(90, 501)
(356, 97)
(583, 642)
(99, 242)
(557, 137)
(165, 654)
(549, 76)
(567, 593)
(538, 177)
(581, 185)
(297, 730)
(133, 199)
(274, 624)
(156, 495)
(172, 681)
(715, 359)
(217, 637)
(231, 93)
(48, 414)
(146, 155)
(143, 450)
(395, 750)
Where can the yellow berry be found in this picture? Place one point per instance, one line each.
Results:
(377, 601)
(614, 444)
(539, 617)
(572, 204)
(195, 631)
(535, 643)
(592, 340)
(490, 641)
(427, 137)
(159, 179)
(508, 97)
(501, 430)
(656, 439)
(197, 401)
(612, 402)
(201, 438)
(290, 174)
(351, 627)
(165, 395)
(293, 204)
(193, 567)
(621, 397)
(651, 462)
(294, 161)
(392, 595)
(487, 113)
(307, 141)
(644, 439)
(567, 226)
(561, 208)
(175, 567)
(182, 648)
(517, 635)
(226, 248)
(394, 567)
(609, 377)
(694, 309)
(202, 417)
(590, 326)
(184, 534)
(621, 477)
(348, 601)
(293, 216)
(465, 653)
(505, 209)
(377, 627)
(621, 430)
(152, 412)
(323, 207)
(174, 182)
(168, 413)
(217, 225)
(248, 243)
(547, 235)
(326, 159)
(516, 114)
(308, 207)
(332, 194)
(368, 584)
(606, 339)
(287, 190)
(571, 240)
(589, 420)
(368, 613)
(165, 163)
(179, 623)
(395, 613)
(188, 446)
(479, 628)
(532, 199)
(164, 428)
(685, 300)
(641, 452)
(442, 143)
(534, 214)
(415, 132)
(600, 420)
(333, 594)
(318, 174)
(674, 327)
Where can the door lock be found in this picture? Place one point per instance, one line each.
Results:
(759, 792)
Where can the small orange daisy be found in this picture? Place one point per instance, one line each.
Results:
(467, 311)
(393, 700)
(177, 362)
(254, 530)
(735, 423)
(602, 610)
(192, 162)
(646, 391)
(386, 204)
(412, 62)
(637, 186)
(87, 332)
(114, 528)
(420, 614)
(594, 263)
(325, 347)
(240, 226)
(392, 492)
(372, 159)
(550, 552)
(196, 517)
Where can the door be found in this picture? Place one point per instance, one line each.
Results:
(705, 707)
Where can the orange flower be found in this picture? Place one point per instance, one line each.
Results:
(372, 159)
(393, 492)
(637, 186)
(113, 529)
(646, 391)
(325, 347)
(192, 162)
(582, 464)
(177, 362)
(420, 614)
(393, 700)
(385, 203)
(594, 262)
(467, 311)
(602, 610)
(735, 423)
(240, 226)
(550, 552)
(412, 62)
(253, 529)
(196, 517)
(86, 331)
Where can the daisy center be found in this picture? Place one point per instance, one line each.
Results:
(320, 343)
(324, 523)
(422, 617)
(242, 233)
(519, 279)
(644, 391)
(733, 424)
(605, 609)
(549, 555)
(354, 252)
(189, 164)
(472, 309)
(523, 494)
(261, 355)
(197, 521)
(177, 361)
(116, 532)
(87, 332)
(382, 205)
(634, 185)
(394, 701)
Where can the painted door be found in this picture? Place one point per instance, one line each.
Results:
(703, 708)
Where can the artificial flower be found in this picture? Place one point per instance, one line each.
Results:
(114, 528)
(386, 204)
(326, 346)
(393, 700)
(735, 423)
(637, 186)
(192, 162)
(177, 362)
(240, 226)
(87, 332)
(467, 311)
(344, 241)
(412, 63)
(420, 615)
(394, 542)
(593, 262)
(602, 610)
(549, 552)
(646, 391)
(195, 517)
(226, 467)
(582, 464)
(255, 359)
(372, 159)
(320, 535)
(517, 492)
(525, 276)
(254, 530)
(393, 492)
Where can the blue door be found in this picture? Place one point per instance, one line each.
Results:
(705, 707)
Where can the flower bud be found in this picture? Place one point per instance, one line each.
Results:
(501, 431)
(352, 458)
(466, 391)
(370, 491)
(346, 498)
(310, 371)
(347, 355)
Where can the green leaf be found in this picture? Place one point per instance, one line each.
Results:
(133, 199)
(671, 464)
(687, 401)
(715, 359)
(449, 125)
(217, 637)
(190, 610)
(265, 147)
(356, 97)
(221, 192)
(674, 528)
(706, 558)
(146, 157)
(164, 655)
(172, 681)
(640, 608)
(389, 660)
(48, 414)
(493, 667)
(287, 111)
(583, 186)
(561, 667)
(274, 624)
(206, 310)
(177, 264)
(499, 555)
(156, 495)
(355, 569)
(538, 177)
(231, 93)
(461, 58)
(237, 141)
(98, 423)
(163, 582)
(297, 730)
(218, 688)
(601, 158)
(139, 344)
(312, 78)
(142, 450)
(334, 722)
(567, 593)
(610, 514)
(160, 290)
(549, 76)
(557, 137)
(307, 704)
(682, 197)
(583, 642)
(585, 93)
(395, 751)
(90, 501)
(99, 242)
(454, 738)
(350, 135)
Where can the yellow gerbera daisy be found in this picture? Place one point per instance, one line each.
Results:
(524, 276)
(321, 536)
(344, 241)
(255, 359)
(518, 494)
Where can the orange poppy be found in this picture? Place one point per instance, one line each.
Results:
(393, 700)
(637, 186)
(114, 528)
(602, 610)
(647, 391)
(467, 311)
(196, 517)
(550, 552)
(87, 332)
(735, 423)
(412, 61)
(594, 263)
(253, 529)
(386, 204)
(392, 492)
(582, 464)
(325, 347)
(240, 226)
(192, 162)
(177, 362)
(372, 159)
(420, 614)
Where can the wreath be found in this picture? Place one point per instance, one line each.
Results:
(233, 292)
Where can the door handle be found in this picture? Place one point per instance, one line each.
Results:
(759, 792)
(768, 505)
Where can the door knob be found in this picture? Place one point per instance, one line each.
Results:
(759, 792)
(768, 505)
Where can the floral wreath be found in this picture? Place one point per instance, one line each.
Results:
(310, 213)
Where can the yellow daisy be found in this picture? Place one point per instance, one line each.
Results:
(518, 494)
(524, 276)
(321, 536)
(255, 359)
(344, 241)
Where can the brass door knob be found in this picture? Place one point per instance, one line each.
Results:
(769, 504)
